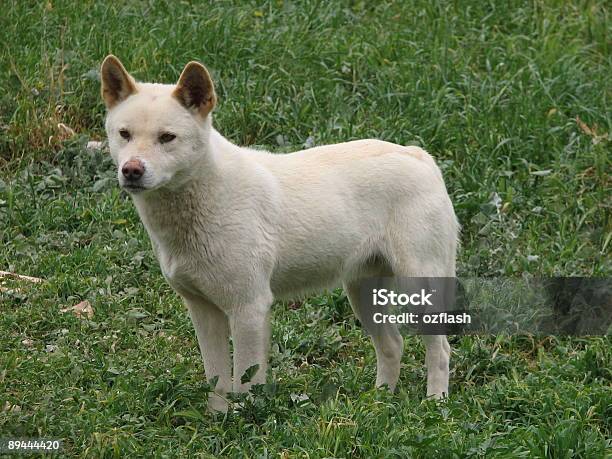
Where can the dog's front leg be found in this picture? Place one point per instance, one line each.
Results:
(250, 327)
(212, 329)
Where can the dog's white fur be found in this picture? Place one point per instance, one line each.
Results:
(235, 228)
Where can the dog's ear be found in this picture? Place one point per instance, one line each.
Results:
(195, 89)
(117, 84)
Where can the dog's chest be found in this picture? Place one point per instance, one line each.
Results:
(174, 267)
(215, 256)
(184, 267)
(179, 245)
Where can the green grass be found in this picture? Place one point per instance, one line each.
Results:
(492, 89)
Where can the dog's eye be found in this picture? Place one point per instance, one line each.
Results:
(166, 137)
(125, 134)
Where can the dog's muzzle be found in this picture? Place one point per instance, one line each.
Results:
(133, 171)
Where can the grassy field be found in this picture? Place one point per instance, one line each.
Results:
(513, 100)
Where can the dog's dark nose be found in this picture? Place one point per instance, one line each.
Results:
(133, 169)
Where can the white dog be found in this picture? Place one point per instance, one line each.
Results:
(234, 228)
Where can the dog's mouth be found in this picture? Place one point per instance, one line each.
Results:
(132, 188)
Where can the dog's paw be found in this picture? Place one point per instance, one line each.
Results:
(437, 396)
(217, 404)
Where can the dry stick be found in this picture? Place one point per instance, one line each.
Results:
(36, 280)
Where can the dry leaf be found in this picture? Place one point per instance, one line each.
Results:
(584, 127)
(95, 145)
(591, 131)
(81, 310)
(11, 408)
(65, 132)
(27, 342)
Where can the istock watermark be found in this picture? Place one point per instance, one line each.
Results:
(383, 297)
(442, 305)
(414, 318)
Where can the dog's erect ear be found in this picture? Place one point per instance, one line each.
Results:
(117, 84)
(195, 89)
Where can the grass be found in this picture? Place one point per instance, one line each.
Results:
(511, 97)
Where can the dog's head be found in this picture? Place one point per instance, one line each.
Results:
(156, 132)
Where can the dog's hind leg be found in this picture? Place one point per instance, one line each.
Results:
(437, 349)
(388, 343)
(437, 358)
(418, 252)
(212, 330)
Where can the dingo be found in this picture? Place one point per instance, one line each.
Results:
(235, 228)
